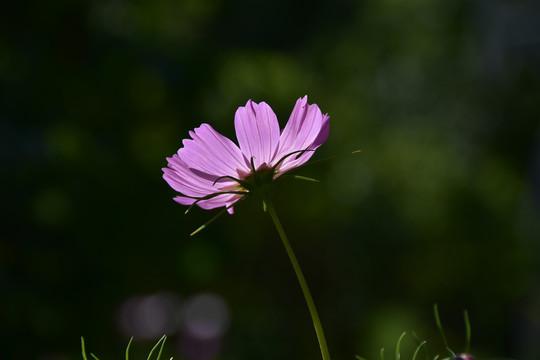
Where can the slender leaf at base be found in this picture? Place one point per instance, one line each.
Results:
(418, 349)
(398, 345)
(127, 348)
(439, 325)
(83, 349)
(162, 342)
(467, 331)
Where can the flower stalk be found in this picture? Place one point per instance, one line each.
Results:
(301, 279)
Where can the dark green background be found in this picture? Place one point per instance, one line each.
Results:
(442, 205)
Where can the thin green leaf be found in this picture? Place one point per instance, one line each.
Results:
(359, 357)
(382, 354)
(94, 356)
(299, 177)
(203, 226)
(467, 331)
(155, 346)
(127, 349)
(398, 345)
(439, 325)
(83, 349)
(418, 349)
(161, 348)
(417, 338)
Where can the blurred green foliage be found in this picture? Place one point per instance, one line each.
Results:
(441, 205)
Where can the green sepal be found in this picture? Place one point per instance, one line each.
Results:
(203, 226)
(211, 196)
(299, 177)
(286, 156)
(244, 184)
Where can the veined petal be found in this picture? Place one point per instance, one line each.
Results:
(221, 148)
(189, 181)
(257, 130)
(218, 201)
(212, 153)
(293, 161)
(302, 128)
(307, 129)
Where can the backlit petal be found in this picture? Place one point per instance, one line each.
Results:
(307, 128)
(257, 130)
(212, 153)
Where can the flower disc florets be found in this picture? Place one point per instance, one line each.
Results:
(212, 171)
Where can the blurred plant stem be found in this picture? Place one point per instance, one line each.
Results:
(303, 284)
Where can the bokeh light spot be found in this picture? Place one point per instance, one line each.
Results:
(206, 316)
(149, 317)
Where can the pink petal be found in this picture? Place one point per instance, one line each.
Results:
(307, 128)
(212, 153)
(189, 181)
(195, 168)
(257, 130)
(218, 201)
(185, 181)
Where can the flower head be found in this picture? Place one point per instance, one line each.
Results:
(212, 171)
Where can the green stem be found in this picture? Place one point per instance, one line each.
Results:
(301, 279)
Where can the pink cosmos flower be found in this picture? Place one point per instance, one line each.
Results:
(211, 171)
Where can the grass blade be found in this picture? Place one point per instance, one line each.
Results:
(83, 349)
(418, 349)
(127, 349)
(439, 325)
(161, 348)
(467, 331)
(155, 346)
(398, 345)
